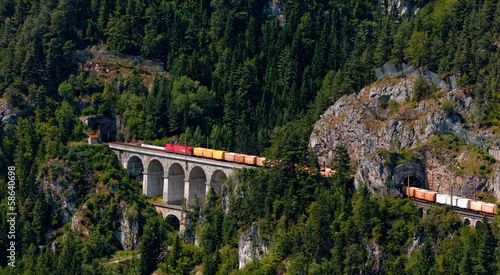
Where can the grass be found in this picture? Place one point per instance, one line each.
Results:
(460, 157)
(122, 255)
(157, 199)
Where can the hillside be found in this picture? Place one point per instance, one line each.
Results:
(383, 126)
(288, 80)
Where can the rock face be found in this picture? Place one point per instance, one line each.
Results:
(8, 114)
(381, 120)
(60, 190)
(404, 8)
(357, 122)
(128, 231)
(249, 248)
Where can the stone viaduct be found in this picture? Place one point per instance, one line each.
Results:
(176, 177)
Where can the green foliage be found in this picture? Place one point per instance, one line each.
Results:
(422, 90)
(252, 84)
(382, 102)
(153, 239)
(448, 107)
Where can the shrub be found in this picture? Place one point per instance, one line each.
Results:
(89, 111)
(382, 102)
(447, 107)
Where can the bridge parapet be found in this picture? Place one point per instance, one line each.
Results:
(173, 176)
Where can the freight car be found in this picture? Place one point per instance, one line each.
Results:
(488, 209)
(212, 154)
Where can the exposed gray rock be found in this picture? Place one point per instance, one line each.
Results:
(8, 113)
(60, 190)
(129, 228)
(53, 248)
(404, 8)
(368, 131)
(418, 242)
(249, 246)
(375, 255)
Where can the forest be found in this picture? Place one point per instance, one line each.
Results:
(251, 77)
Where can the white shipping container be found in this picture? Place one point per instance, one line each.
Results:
(442, 199)
(455, 201)
(463, 203)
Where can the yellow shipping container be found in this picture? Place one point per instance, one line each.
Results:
(217, 154)
(208, 153)
(198, 151)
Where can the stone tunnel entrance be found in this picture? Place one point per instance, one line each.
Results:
(411, 181)
(410, 173)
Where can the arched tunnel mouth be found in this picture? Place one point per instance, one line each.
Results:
(412, 181)
(173, 221)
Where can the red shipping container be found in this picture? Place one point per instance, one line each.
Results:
(430, 196)
(239, 158)
(250, 160)
(260, 161)
(409, 191)
(419, 193)
(229, 156)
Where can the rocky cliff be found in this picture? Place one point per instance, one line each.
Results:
(381, 127)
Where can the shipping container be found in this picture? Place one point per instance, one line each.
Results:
(250, 160)
(229, 156)
(409, 191)
(476, 205)
(463, 203)
(454, 200)
(443, 199)
(198, 151)
(489, 208)
(208, 153)
(217, 154)
(260, 161)
(239, 158)
(430, 195)
(420, 193)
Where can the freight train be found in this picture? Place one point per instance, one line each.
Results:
(211, 154)
(488, 209)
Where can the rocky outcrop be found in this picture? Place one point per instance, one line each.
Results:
(78, 226)
(60, 189)
(127, 233)
(359, 123)
(381, 120)
(8, 113)
(250, 247)
(404, 8)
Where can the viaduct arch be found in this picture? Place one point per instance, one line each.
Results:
(175, 177)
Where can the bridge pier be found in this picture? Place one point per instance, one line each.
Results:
(176, 177)
(145, 183)
(186, 191)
